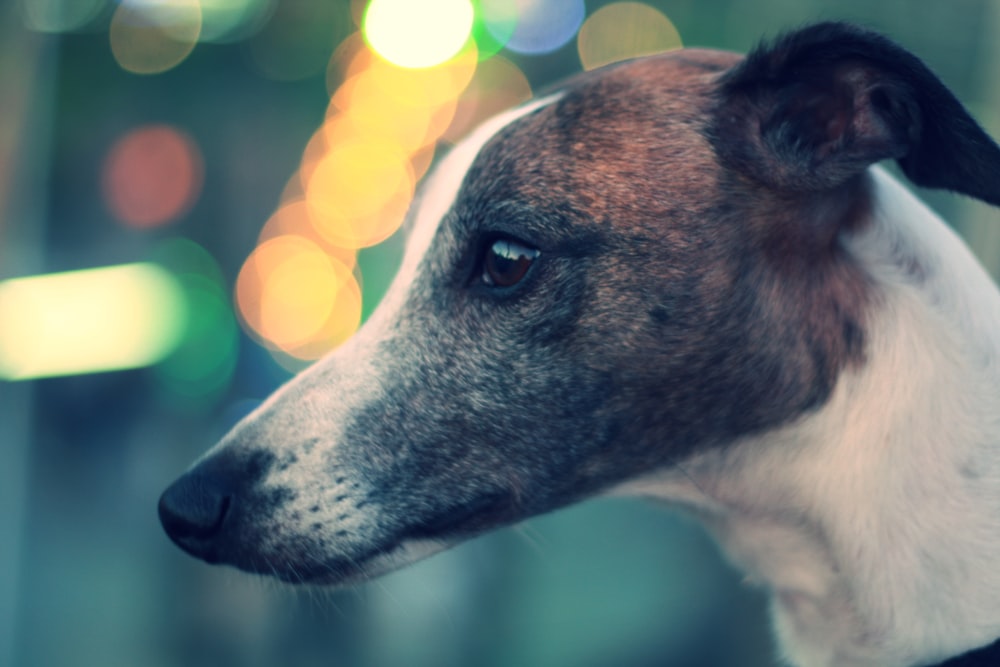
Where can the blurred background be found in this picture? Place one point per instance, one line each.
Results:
(197, 199)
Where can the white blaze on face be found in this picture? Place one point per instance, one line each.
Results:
(446, 180)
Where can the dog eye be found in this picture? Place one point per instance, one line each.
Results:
(506, 262)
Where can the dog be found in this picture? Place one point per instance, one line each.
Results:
(682, 277)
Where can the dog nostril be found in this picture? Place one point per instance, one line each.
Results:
(193, 508)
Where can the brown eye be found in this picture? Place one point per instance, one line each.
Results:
(507, 262)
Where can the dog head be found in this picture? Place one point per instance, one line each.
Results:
(645, 264)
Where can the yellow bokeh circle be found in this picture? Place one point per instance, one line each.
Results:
(359, 191)
(432, 86)
(361, 108)
(296, 296)
(292, 218)
(624, 30)
(344, 320)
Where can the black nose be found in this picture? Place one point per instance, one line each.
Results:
(193, 511)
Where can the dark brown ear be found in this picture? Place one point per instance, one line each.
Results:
(817, 106)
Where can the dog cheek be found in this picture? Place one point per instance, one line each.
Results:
(546, 446)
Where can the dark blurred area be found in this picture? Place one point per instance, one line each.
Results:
(131, 137)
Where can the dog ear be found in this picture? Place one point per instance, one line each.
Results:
(819, 105)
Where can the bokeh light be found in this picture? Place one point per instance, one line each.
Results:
(494, 25)
(292, 219)
(345, 62)
(418, 73)
(361, 108)
(344, 320)
(422, 160)
(233, 20)
(358, 173)
(417, 33)
(152, 176)
(202, 364)
(359, 191)
(624, 30)
(497, 85)
(152, 36)
(436, 86)
(297, 297)
(60, 15)
(89, 321)
(542, 25)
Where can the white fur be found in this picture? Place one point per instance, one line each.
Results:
(443, 186)
(875, 522)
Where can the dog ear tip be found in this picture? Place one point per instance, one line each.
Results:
(969, 172)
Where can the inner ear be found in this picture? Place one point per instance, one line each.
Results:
(818, 117)
(834, 123)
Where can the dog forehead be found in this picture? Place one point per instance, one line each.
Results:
(630, 137)
(439, 194)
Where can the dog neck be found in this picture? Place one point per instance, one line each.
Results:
(874, 522)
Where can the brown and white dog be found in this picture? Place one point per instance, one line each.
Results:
(680, 277)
